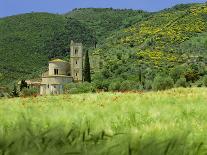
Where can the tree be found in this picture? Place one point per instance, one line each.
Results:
(23, 85)
(87, 71)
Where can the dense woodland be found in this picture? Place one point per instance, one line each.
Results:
(138, 50)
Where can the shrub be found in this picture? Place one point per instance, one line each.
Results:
(191, 76)
(14, 92)
(199, 83)
(4, 92)
(181, 83)
(26, 92)
(148, 84)
(129, 85)
(77, 88)
(162, 83)
(205, 80)
(115, 86)
(101, 84)
(177, 72)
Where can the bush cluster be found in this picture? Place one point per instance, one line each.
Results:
(77, 88)
(162, 83)
(26, 92)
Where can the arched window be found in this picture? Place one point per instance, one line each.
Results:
(55, 71)
(76, 51)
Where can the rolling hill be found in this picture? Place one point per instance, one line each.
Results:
(22, 44)
(28, 40)
(134, 46)
(156, 45)
(104, 21)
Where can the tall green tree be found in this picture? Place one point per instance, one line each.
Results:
(87, 71)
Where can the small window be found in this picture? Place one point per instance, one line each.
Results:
(76, 51)
(76, 62)
(56, 71)
(76, 74)
(54, 86)
(48, 86)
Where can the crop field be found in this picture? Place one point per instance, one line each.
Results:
(172, 122)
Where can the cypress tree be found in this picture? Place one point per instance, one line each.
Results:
(87, 71)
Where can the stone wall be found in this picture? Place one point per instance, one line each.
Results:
(63, 68)
(57, 80)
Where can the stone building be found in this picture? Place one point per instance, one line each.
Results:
(62, 72)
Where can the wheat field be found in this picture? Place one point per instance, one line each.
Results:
(172, 122)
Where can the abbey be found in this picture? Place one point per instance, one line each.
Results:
(61, 72)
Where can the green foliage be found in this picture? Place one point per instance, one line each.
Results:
(114, 86)
(30, 39)
(22, 53)
(162, 82)
(191, 76)
(58, 45)
(15, 92)
(87, 69)
(177, 72)
(5, 92)
(199, 83)
(129, 85)
(148, 84)
(101, 84)
(27, 92)
(171, 41)
(181, 83)
(205, 80)
(107, 20)
(132, 45)
(78, 88)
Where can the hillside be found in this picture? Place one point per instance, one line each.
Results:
(133, 46)
(171, 122)
(28, 40)
(165, 40)
(107, 20)
(22, 40)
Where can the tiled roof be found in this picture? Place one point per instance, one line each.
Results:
(58, 60)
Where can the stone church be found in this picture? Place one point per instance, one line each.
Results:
(61, 72)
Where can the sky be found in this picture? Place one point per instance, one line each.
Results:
(14, 7)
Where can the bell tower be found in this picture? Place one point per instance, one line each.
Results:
(76, 61)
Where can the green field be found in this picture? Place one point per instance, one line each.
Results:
(154, 123)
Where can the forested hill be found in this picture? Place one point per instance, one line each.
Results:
(27, 41)
(169, 42)
(22, 40)
(135, 46)
(107, 20)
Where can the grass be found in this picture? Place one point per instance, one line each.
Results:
(155, 123)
